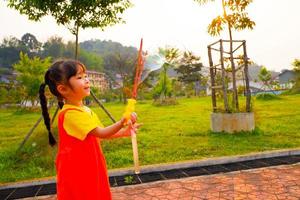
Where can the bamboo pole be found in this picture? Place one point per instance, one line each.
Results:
(34, 127)
(238, 47)
(235, 100)
(135, 153)
(233, 40)
(220, 50)
(213, 44)
(248, 93)
(212, 79)
(103, 108)
(223, 78)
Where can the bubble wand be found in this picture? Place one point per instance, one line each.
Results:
(130, 107)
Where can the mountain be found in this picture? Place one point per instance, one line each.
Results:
(104, 47)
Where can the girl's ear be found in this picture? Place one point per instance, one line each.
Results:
(62, 89)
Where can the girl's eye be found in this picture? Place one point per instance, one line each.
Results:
(81, 76)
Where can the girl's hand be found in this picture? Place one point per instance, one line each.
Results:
(133, 117)
(131, 129)
(132, 120)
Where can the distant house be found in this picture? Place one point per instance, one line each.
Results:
(98, 80)
(117, 81)
(253, 86)
(4, 79)
(286, 78)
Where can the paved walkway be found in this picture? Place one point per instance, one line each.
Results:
(272, 183)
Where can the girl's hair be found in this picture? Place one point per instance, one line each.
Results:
(59, 73)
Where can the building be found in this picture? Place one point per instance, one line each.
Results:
(98, 80)
(286, 78)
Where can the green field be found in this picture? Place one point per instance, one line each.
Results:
(169, 134)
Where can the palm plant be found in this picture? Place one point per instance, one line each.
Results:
(234, 17)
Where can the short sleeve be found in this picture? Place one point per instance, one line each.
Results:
(78, 123)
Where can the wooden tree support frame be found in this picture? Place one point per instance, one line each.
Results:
(219, 47)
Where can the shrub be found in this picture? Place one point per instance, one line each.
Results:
(165, 102)
(267, 96)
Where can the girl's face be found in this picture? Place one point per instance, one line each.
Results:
(79, 87)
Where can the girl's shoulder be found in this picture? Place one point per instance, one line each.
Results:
(72, 107)
(76, 109)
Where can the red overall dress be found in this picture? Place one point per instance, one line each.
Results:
(81, 167)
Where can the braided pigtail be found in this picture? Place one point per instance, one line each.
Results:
(43, 102)
(59, 72)
(60, 102)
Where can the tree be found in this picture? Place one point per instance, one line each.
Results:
(234, 17)
(163, 88)
(265, 76)
(31, 43)
(121, 62)
(189, 70)
(91, 60)
(11, 42)
(296, 66)
(30, 74)
(10, 49)
(54, 47)
(170, 55)
(74, 14)
(147, 84)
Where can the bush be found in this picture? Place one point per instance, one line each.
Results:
(3, 95)
(267, 96)
(165, 102)
(294, 90)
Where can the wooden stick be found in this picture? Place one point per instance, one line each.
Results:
(139, 69)
(223, 78)
(248, 92)
(135, 153)
(212, 79)
(29, 133)
(34, 127)
(103, 108)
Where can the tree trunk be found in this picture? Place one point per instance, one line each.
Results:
(212, 79)
(246, 73)
(165, 83)
(223, 78)
(76, 42)
(124, 95)
(235, 101)
(123, 87)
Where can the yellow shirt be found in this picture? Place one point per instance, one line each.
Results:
(78, 123)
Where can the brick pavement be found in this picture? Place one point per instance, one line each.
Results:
(272, 183)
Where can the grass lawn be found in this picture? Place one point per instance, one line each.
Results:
(169, 134)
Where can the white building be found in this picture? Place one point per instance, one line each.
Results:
(98, 80)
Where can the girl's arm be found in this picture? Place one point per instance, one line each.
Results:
(126, 132)
(115, 130)
(109, 131)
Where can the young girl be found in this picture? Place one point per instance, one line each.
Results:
(80, 164)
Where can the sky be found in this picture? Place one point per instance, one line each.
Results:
(274, 42)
